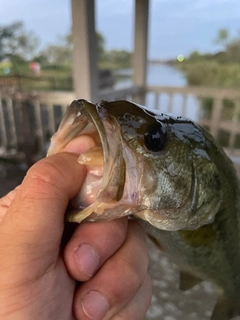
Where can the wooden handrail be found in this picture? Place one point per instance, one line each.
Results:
(200, 92)
(15, 108)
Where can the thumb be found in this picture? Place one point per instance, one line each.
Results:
(34, 222)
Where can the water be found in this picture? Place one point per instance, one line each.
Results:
(164, 75)
(157, 74)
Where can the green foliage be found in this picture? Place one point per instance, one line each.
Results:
(222, 37)
(210, 73)
(19, 64)
(55, 56)
(49, 81)
(19, 46)
(100, 47)
(195, 56)
(233, 51)
(58, 55)
(221, 69)
(230, 54)
(15, 41)
(119, 58)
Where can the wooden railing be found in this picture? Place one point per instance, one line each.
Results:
(28, 120)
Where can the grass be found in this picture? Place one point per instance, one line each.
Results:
(49, 79)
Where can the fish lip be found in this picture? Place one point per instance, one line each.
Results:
(96, 115)
(75, 123)
(114, 169)
(86, 118)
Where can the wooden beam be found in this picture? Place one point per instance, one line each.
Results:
(140, 44)
(85, 71)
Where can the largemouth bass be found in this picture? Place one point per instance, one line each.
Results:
(169, 173)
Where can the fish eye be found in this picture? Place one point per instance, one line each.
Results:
(156, 139)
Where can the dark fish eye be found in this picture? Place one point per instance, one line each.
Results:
(156, 139)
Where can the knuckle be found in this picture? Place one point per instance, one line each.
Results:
(44, 171)
(42, 174)
(128, 282)
(134, 276)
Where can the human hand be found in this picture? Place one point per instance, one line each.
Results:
(39, 280)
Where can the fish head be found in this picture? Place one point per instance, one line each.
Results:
(155, 166)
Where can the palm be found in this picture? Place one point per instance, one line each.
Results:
(58, 291)
(52, 293)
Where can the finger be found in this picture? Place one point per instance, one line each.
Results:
(33, 225)
(137, 308)
(91, 245)
(119, 279)
(80, 144)
(57, 178)
(6, 201)
(39, 206)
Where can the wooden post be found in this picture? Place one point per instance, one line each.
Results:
(216, 116)
(235, 121)
(85, 72)
(12, 125)
(140, 46)
(156, 104)
(51, 120)
(3, 131)
(184, 105)
(39, 128)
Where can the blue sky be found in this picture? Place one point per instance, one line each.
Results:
(176, 26)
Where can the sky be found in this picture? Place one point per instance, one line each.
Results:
(175, 26)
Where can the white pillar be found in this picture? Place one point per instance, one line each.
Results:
(85, 71)
(140, 45)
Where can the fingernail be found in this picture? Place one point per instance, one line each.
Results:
(94, 305)
(87, 259)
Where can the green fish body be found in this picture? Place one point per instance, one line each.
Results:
(170, 174)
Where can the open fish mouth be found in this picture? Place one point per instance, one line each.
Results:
(105, 185)
(129, 174)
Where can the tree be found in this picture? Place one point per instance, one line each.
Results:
(195, 56)
(222, 37)
(119, 58)
(100, 46)
(17, 43)
(233, 51)
(61, 54)
(56, 55)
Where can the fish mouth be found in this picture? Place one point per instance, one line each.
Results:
(106, 158)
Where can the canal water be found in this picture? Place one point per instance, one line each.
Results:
(164, 75)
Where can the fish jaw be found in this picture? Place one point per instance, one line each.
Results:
(73, 124)
(106, 164)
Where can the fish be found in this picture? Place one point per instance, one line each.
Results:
(167, 172)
